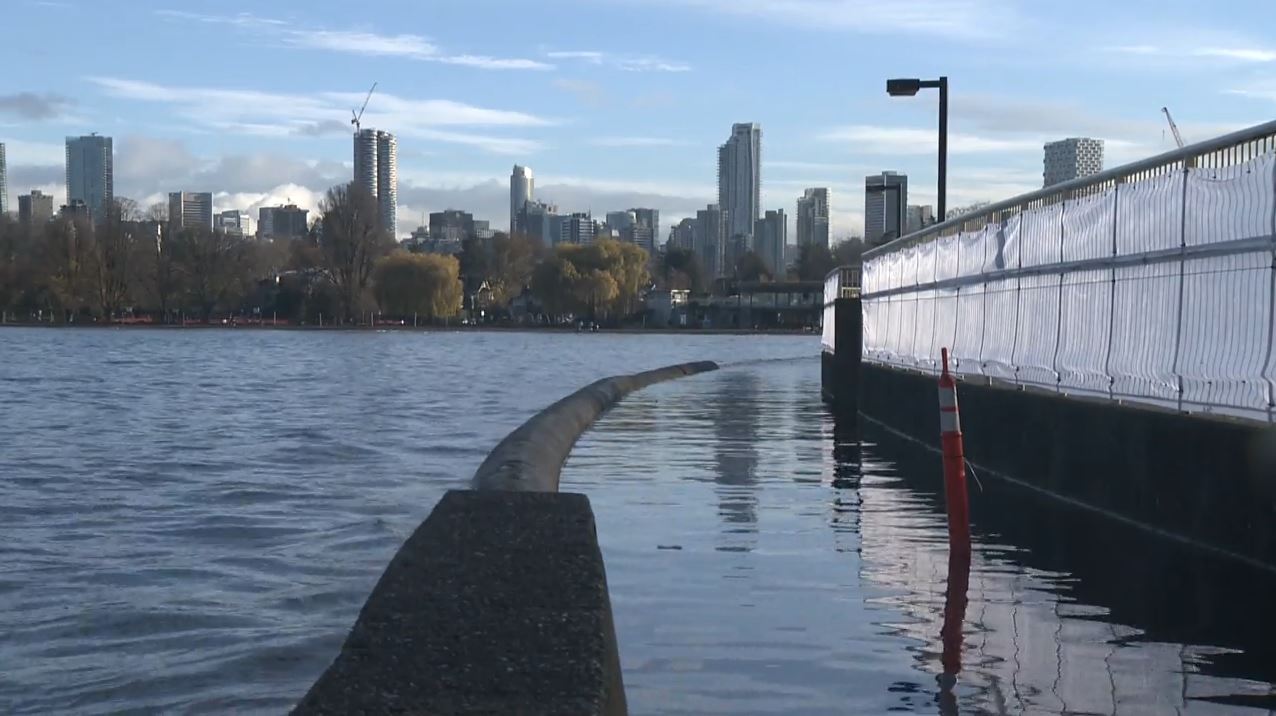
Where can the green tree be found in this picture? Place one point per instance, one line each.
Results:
(554, 282)
(814, 262)
(680, 268)
(350, 241)
(751, 267)
(848, 252)
(428, 285)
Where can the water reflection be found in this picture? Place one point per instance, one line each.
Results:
(735, 454)
(1068, 612)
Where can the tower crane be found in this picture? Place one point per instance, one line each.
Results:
(1178, 138)
(354, 118)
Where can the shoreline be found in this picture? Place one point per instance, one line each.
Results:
(422, 329)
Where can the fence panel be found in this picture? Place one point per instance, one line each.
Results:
(945, 333)
(1037, 333)
(1085, 311)
(969, 340)
(970, 259)
(1040, 231)
(924, 333)
(946, 258)
(1150, 215)
(1144, 332)
(1222, 366)
(1234, 202)
(1087, 226)
(1001, 316)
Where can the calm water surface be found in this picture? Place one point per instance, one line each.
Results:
(192, 519)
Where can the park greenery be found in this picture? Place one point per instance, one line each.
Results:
(132, 265)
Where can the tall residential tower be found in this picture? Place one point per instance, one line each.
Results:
(885, 207)
(1073, 158)
(90, 173)
(376, 171)
(740, 179)
(813, 217)
(4, 184)
(522, 190)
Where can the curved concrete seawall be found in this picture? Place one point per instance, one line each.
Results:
(531, 458)
(498, 602)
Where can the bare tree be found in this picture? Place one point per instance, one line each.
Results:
(350, 242)
(114, 250)
(214, 266)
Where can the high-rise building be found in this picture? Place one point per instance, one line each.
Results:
(919, 217)
(577, 228)
(190, 210)
(650, 218)
(376, 172)
(1071, 158)
(740, 178)
(234, 222)
(35, 209)
(90, 173)
(813, 217)
(885, 204)
(540, 220)
(282, 222)
(4, 183)
(454, 225)
(771, 234)
(709, 242)
(522, 190)
(621, 220)
(682, 235)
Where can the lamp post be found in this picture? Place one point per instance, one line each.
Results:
(910, 87)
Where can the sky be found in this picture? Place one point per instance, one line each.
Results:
(613, 103)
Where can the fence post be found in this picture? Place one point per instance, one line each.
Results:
(1058, 333)
(1188, 162)
(1107, 362)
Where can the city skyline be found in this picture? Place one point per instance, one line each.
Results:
(634, 125)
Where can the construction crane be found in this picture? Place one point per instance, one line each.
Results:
(1178, 138)
(354, 118)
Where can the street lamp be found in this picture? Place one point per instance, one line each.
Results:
(910, 87)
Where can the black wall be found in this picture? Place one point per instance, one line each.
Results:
(1205, 479)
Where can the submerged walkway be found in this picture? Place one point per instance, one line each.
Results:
(762, 561)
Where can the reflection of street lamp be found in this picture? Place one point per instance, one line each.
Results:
(910, 87)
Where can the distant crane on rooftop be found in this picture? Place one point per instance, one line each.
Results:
(1178, 138)
(354, 118)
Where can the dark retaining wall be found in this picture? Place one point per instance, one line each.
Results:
(498, 602)
(1205, 479)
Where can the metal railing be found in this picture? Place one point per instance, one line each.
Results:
(1153, 282)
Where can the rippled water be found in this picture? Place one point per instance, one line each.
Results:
(765, 559)
(192, 519)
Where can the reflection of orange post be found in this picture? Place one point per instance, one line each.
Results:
(954, 616)
(954, 463)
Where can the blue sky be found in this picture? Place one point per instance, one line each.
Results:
(613, 103)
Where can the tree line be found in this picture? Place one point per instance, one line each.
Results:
(132, 265)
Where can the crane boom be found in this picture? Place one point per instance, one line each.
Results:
(1178, 138)
(355, 118)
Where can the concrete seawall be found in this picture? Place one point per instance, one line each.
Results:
(532, 457)
(1205, 480)
(498, 602)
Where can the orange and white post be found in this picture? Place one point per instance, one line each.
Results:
(955, 496)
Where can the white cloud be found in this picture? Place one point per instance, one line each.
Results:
(960, 19)
(356, 42)
(627, 63)
(872, 139)
(1234, 52)
(284, 115)
(34, 153)
(635, 142)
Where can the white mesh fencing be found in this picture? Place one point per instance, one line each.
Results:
(1160, 291)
